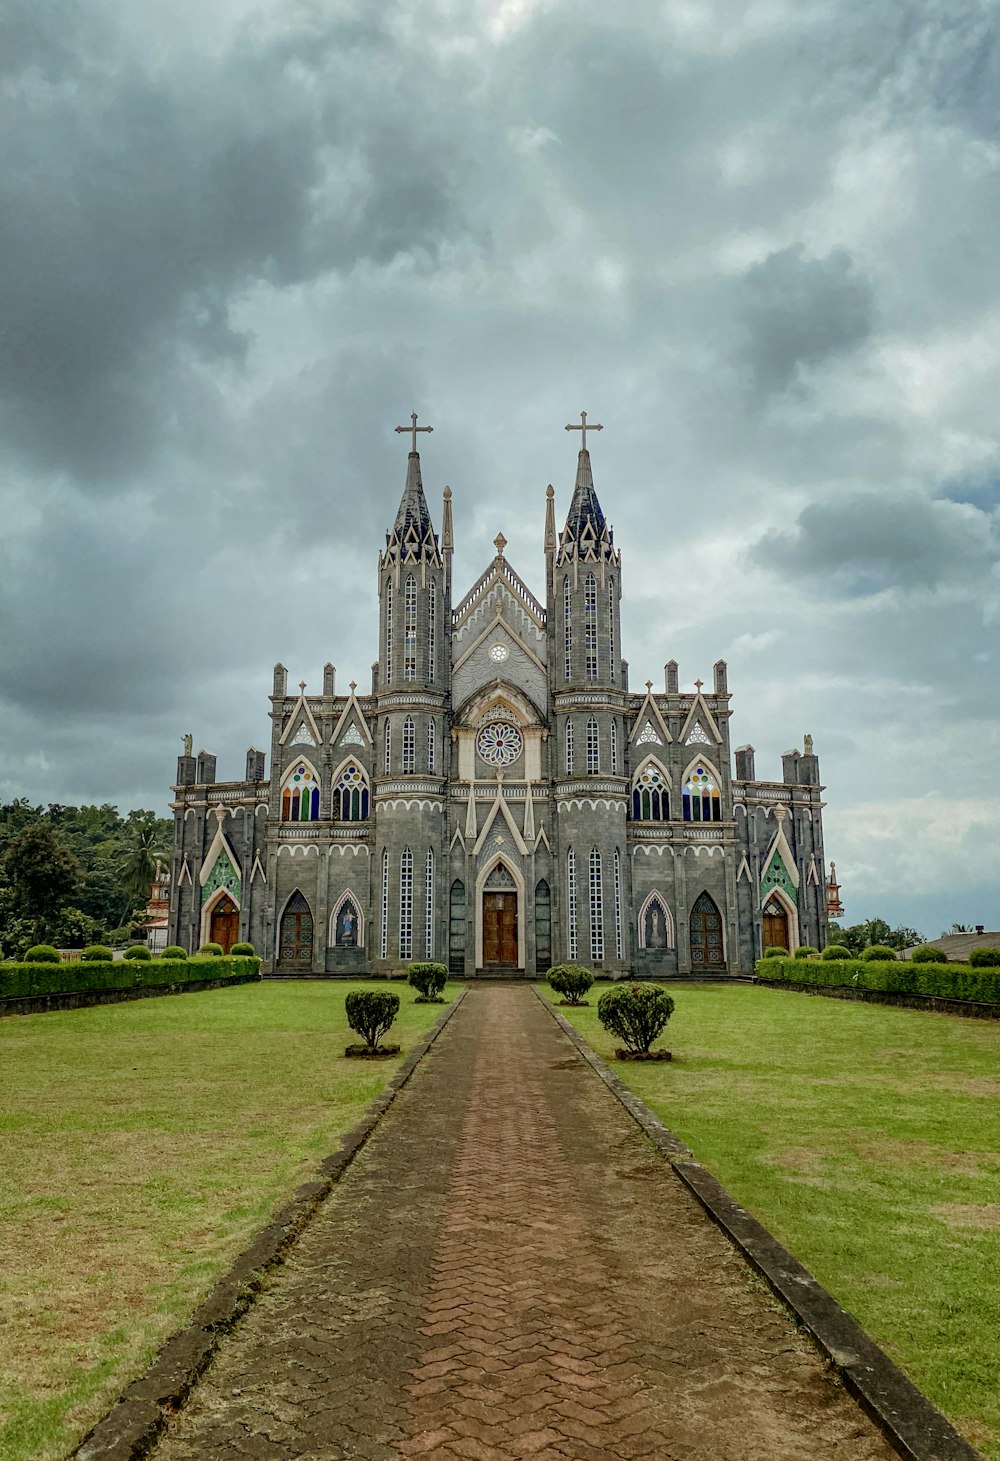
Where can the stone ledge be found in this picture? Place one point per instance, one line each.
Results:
(130, 1429)
(914, 1427)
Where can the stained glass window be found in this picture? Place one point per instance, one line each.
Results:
(701, 799)
(499, 743)
(300, 795)
(571, 902)
(352, 794)
(596, 906)
(409, 748)
(593, 747)
(567, 631)
(590, 625)
(406, 904)
(650, 795)
(410, 629)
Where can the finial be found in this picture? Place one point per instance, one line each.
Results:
(550, 491)
(807, 745)
(413, 428)
(649, 686)
(353, 686)
(302, 686)
(698, 684)
(584, 427)
(447, 494)
(500, 543)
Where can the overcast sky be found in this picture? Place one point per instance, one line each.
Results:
(240, 242)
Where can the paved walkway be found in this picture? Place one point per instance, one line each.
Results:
(509, 1270)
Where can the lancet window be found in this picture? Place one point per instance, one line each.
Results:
(409, 745)
(618, 903)
(567, 631)
(569, 745)
(352, 795)
(432, 630)
(429, 905)
(596, 906)
(300, 796)
(406, 904)
(387, 747)
(590, 625)
(702, 802)
(571, 908)
(611, 631)
(383, 942)
(431, 746)
(650, 795)
(593, 747)
(388, 632)
(410, 629)
(614, 747)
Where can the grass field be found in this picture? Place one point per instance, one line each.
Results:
(141, 1145)
(867, 1139)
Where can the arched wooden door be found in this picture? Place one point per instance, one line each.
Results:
(707, 950)
(775, 925)
(500, 920)
(295, 943)
(225, 924)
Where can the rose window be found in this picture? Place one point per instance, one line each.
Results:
(498, 743)
(499, 652)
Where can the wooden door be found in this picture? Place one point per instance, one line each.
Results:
(225, 924)
(500, 929)
(775, 926)
(706, 935)
(295, 942)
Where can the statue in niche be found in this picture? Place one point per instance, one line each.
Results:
(656, 927)
(347, 926)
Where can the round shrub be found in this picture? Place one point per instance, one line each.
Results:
(244, 950)
(926, 955)
(805, 951)
(42, 954)
(635, 1014)
(570, 980)
(96, 954)
(984, 959)
(836, 951)
(213, 950)
(427, 979)
(174, 951)
(137, 951)
(878, 951)
(775, 953)
(370, 1012)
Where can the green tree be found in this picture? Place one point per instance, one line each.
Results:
(42, 873)
(142, 853)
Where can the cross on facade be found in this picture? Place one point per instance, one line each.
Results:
(584, 428)
(698, 684)
(413, 428)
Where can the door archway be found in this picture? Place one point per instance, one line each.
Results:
(224, 928)
(707, 948)
(500, 920)
(295, 939)
(774, 926)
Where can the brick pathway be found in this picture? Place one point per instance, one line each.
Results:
(509, 1270)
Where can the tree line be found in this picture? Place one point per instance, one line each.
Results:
(71, 876)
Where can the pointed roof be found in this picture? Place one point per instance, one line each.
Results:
(413, 511)
(585, 509)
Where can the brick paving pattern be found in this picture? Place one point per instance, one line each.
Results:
(509, 1270)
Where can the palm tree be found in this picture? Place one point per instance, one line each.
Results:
(140, 861)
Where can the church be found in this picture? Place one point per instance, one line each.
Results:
(501, 799)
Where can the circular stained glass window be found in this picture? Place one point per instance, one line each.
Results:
(499, 652)
(499, 744)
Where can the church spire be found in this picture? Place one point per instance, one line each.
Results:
(586, 533)
(412, 537)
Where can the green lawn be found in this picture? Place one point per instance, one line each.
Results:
(867, 1140)
(141, 1145)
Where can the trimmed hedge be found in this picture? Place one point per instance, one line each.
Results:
(882, 952)
(428, 979)
(244, 948)
(138, 951)
(833, 952)
(805, 951)
(23, 981)
(174, 951)
(775, 953)
(985, 959)
(636, 1013)
(926, 955)
(370, 1012)
(96, 954)
(215, 950)
(572, 981)
(42, 954)
(898, 976)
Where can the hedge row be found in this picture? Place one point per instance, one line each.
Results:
(941, 981)
(21, 981)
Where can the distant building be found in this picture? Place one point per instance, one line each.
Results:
(500, 799)
(956, 947)
(158, 910)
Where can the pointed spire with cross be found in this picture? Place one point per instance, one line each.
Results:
(583, 428)
(413, 428)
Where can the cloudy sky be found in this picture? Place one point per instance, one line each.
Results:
(240, 242)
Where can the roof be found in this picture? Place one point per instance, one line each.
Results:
(958, 946)
(584, 507)
(413, 511)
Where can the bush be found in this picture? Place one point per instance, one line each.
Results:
(137, 951)
(96, 954)
(570, 980)
(370, 1012)
(635, 1014)
(984, 959)
(174, 951)
(805, 951)
(890, 976)
(837, 951)
(926, 955)
(24, 981)
(878, 951)
(775, 953)
(238, 950)
(42, 954)
(428, 979)
(214, 950)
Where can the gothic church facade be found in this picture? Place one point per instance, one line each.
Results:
(501, 799)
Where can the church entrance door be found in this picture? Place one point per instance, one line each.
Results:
(775, 926)
(500, 930)
(706, 935)
(296, 939)
(225, 924)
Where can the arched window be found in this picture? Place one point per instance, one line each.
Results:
(300, 795)
(614, 747)
(543, 926)
(383, 939)
(347, 925)
(351, 795)
(596, 906)
(567, 631)
(387, 740)
(410, 629)
(571, 903)
(701, 799)
(409, 745)
(590, 625)
(456, 927)
(388, 632)
(611, 630)
(618, 903)
(431, 746)
(295, 937)
(593, 747)
(656, 927)
(569, 745)
(429, 905)
(432, 630)
(650, 795)
(406, 904)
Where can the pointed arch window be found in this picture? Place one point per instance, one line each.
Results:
(569, 745)
(352, 795)
(596, 906)
(431, 746)
(429, 905)
(611, 630)
(571, 908)
(590, 625)
(567, 631)
(614, 747)
(701, 799)
(387, 746)
(300, 795)
(410, 628)
(618, 903)
(406, 904)
(409, 745)
(383, 940)
(593, 747)
(651, 795)
(388, 632)
(432, 630)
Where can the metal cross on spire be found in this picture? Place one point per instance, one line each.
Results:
(584, 428)
(413, 428)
